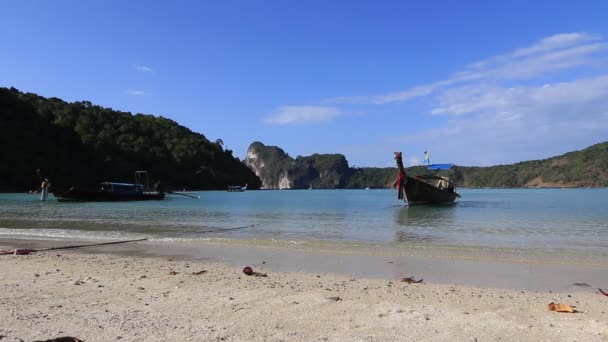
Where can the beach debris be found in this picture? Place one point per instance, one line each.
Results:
(173, 272)
(143, 276)
(25, 251)
(63, 339)
(17, 251)
(559, 307)
(602, 292)
(411, 280)
(335, 299)
(199, 272)
(581, 284)
(249, 271)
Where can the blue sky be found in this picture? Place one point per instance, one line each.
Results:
(474, 82)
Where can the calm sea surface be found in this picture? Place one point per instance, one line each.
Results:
(572, 220)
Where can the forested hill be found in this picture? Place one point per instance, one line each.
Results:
(82, 144)
(585, 168)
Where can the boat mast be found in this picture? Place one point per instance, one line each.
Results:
(141, 176)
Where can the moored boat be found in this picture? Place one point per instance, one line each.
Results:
(237, 188)
(111, 191)
(425, 189)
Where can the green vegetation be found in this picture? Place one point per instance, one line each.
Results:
(82, 144)
(585, 168)
(321, 171)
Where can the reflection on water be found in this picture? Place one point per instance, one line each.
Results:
(402, 236)
(425, 215)
(419, 216)
(477, 204)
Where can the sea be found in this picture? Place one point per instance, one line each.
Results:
(571, 223)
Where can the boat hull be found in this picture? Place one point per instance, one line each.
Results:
(85, 195)
(417, 191)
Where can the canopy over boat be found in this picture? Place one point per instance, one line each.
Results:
(433, 167)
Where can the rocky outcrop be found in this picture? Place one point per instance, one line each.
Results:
(270, 163)
(278, 170)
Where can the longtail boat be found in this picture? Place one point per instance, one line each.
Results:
(425, 189)
(110, 191)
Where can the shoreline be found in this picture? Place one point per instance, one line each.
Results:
(105, 295)
(515, 270)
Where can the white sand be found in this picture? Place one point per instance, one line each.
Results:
(103, 297)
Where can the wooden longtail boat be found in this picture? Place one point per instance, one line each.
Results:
(110, 191)
(426, 189)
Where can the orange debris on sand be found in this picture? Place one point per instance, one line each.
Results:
(559, 307)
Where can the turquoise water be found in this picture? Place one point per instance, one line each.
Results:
(524, 219)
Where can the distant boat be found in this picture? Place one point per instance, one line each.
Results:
(237, 188)
(111, 191)
(426, 189)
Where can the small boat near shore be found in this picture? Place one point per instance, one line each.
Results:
(237, 188)
(425, 189)
(113, 192)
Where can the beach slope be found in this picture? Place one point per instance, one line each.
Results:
(99, 297)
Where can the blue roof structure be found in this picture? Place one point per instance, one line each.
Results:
(440, 166)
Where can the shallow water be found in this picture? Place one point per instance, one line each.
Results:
(570, 222)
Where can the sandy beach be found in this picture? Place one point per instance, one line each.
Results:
(106, 295)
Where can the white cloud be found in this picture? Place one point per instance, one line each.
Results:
(386, 98)
(302, 114)
(548, 56)
(492, 124)
(142, 68)
(555, 42)
(496, 99)
(533, 102)
(134, 92)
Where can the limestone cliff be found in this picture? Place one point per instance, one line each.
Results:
(270, 163)
(278, 170)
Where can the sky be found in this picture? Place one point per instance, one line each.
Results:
(473, 82)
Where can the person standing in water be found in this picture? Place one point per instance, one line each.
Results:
(44, 189)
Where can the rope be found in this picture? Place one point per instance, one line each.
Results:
(391, 206)
(226, 229)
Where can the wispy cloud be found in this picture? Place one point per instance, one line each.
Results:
(547, 56)
(482, 97)
(302, 114)
(134, 92)
(142, 68)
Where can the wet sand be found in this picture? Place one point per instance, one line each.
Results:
(141, 293)
(453, 266)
